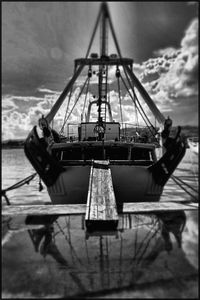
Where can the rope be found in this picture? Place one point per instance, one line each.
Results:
(192, 188)
(20, 183)
(7, 200)
(193, 169)
(181, 186)
(17, 185)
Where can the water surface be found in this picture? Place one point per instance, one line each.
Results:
(149, 256)
(15, 167)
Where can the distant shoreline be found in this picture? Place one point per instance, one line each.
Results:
(4, 147)
(13, 144)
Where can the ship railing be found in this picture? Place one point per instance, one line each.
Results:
(89, 162)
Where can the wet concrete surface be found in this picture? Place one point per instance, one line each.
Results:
(149, 256)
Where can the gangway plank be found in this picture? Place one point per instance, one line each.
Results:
(101, 209)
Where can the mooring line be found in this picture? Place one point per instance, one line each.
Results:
(178, 179)
(16, 186)
(193, 171)
(181, 186)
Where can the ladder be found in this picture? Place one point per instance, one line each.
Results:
(103, 75)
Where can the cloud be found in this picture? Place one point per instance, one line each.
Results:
(30, 88)
(172, 74)
(45, 90)
(20, 113)
(8, 104)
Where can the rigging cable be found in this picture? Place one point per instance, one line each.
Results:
(86, 96)
(72, 249)
(136, 105)
(136, 109)
(120, 101)
(144, 112)
(136, 115)
(132, 88)
(64, 122)
(76, 100)
(133, 99)
(140, 251)
(118, 48)
(108, 94)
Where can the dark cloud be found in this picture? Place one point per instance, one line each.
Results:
(41, 39)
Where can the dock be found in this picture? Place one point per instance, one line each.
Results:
(80, 209)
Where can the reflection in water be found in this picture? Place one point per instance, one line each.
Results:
(146, 247)
(56, 254)
(44, 241)
(173, 222)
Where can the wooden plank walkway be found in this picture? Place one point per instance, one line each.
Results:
(77, 209)
(101, 209)
(68, 209)
(143, 207)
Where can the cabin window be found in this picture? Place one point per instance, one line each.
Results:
(72, 154)
(117, 153)
(93, 153)
(140, 154)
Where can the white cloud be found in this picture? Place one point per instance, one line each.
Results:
(8, 104)
(173, 74)
(44, 90)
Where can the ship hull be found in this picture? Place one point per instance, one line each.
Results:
(133, 180)
(130, 183)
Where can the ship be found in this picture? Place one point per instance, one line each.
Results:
(65, 163)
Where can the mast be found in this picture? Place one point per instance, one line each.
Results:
(103, 69)
(104, 20)
(104, 30)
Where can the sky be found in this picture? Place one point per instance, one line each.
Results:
(40, 41)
